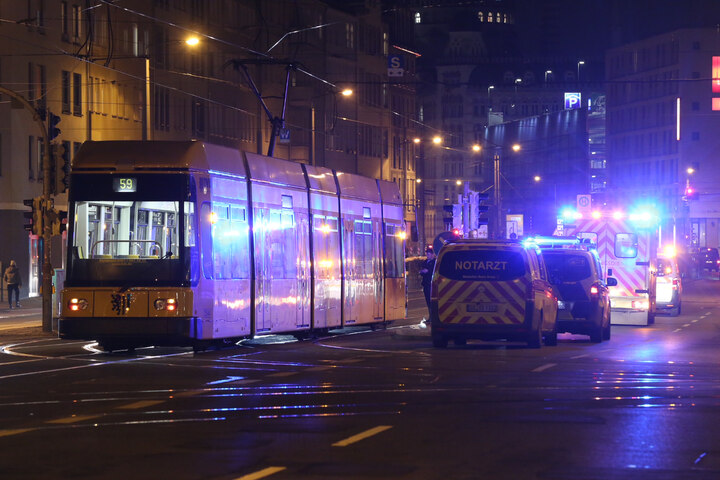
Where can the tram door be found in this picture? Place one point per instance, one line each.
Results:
(282, 264)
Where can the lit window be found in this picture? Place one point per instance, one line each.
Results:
(716, 104)
(417, 17)
(490, 17)
(481, 16)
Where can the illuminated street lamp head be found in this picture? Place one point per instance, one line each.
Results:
(476, 148)
(537, 178)
(192, 41)
(458, 182)
(346, 92)
(516, 148)
(418, 180)
(690, 170)
(416, 140)
(437, 140)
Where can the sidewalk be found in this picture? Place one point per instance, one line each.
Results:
(31, 305)
(23, 321)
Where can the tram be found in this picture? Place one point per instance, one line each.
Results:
(192, 244)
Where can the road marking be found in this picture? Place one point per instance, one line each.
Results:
(677, 330)
(695, 321)
(362, 436)
(73, 419)
(14, 431)
(140, 404)
(579, 356)
(543, 367)
(265, 472)
(686, 325)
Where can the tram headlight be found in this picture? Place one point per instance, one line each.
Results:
(76, 304)
(169, 304)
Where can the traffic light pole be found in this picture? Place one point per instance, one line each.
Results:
(46, 234)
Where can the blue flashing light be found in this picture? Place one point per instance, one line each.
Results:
(570, 214)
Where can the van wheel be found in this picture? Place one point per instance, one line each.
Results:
(535, 340)
(439, 341)
(551, 338)
(606, 330)
(675, 311)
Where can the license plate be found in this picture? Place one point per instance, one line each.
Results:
(481, 307)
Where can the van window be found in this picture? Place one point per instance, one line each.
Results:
(568, 268)
(626, 245)
(482, 265)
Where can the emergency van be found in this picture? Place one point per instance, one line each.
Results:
(489, 290)
(628, 246)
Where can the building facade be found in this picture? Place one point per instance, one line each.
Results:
(125, 72)
(663, 115)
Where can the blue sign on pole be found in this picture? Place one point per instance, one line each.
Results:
(396, 65)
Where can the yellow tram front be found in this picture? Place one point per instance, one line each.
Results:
(131, 246)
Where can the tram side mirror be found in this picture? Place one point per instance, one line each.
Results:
(609, 272)
(611, 282)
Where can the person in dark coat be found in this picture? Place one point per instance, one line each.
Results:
(427, 271)
(13, 281)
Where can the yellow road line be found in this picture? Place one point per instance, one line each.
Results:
(361, 436)
(140, 404)
(265, 472)
(14, 431)
(73, 419)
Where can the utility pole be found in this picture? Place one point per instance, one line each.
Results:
(498, 207)
(47, 205)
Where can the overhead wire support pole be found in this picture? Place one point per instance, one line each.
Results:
(276, 122)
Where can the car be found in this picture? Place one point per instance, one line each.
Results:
(668, 296)
(583, 294)
(708, 259)
(489, 290)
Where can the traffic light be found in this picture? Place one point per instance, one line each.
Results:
(52, 125)
(482, 210)
(61, 162)
(33, 218)
(691, 193)
(58, 222)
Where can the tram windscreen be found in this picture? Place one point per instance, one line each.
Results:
(129, 240)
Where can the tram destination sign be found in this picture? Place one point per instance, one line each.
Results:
(124, 184)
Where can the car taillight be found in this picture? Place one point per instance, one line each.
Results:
(675, 283)
(594, 290)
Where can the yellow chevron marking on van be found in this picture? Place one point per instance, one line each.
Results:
(73, 419)
(140, 404)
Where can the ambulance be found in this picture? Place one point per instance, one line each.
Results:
(627, 244)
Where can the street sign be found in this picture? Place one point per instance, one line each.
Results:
(284, 135)
(514, 225)
(584, 204)
(396, 65)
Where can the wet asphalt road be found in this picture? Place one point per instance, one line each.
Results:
(368, 404)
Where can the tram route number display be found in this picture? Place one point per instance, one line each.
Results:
(124, 185)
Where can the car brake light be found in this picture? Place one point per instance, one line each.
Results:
(594, 290)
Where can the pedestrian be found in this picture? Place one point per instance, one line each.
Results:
(427, 271)
(13, 282)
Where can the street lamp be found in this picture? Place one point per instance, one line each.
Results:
(547, 72)
(499, 230)
(581, 62)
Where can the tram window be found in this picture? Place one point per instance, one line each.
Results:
(239, 244)
(206, 245)
(319, 223)
(222, 241)
(332, 223)
(190, 224)
(287, 201)
(394, 257)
